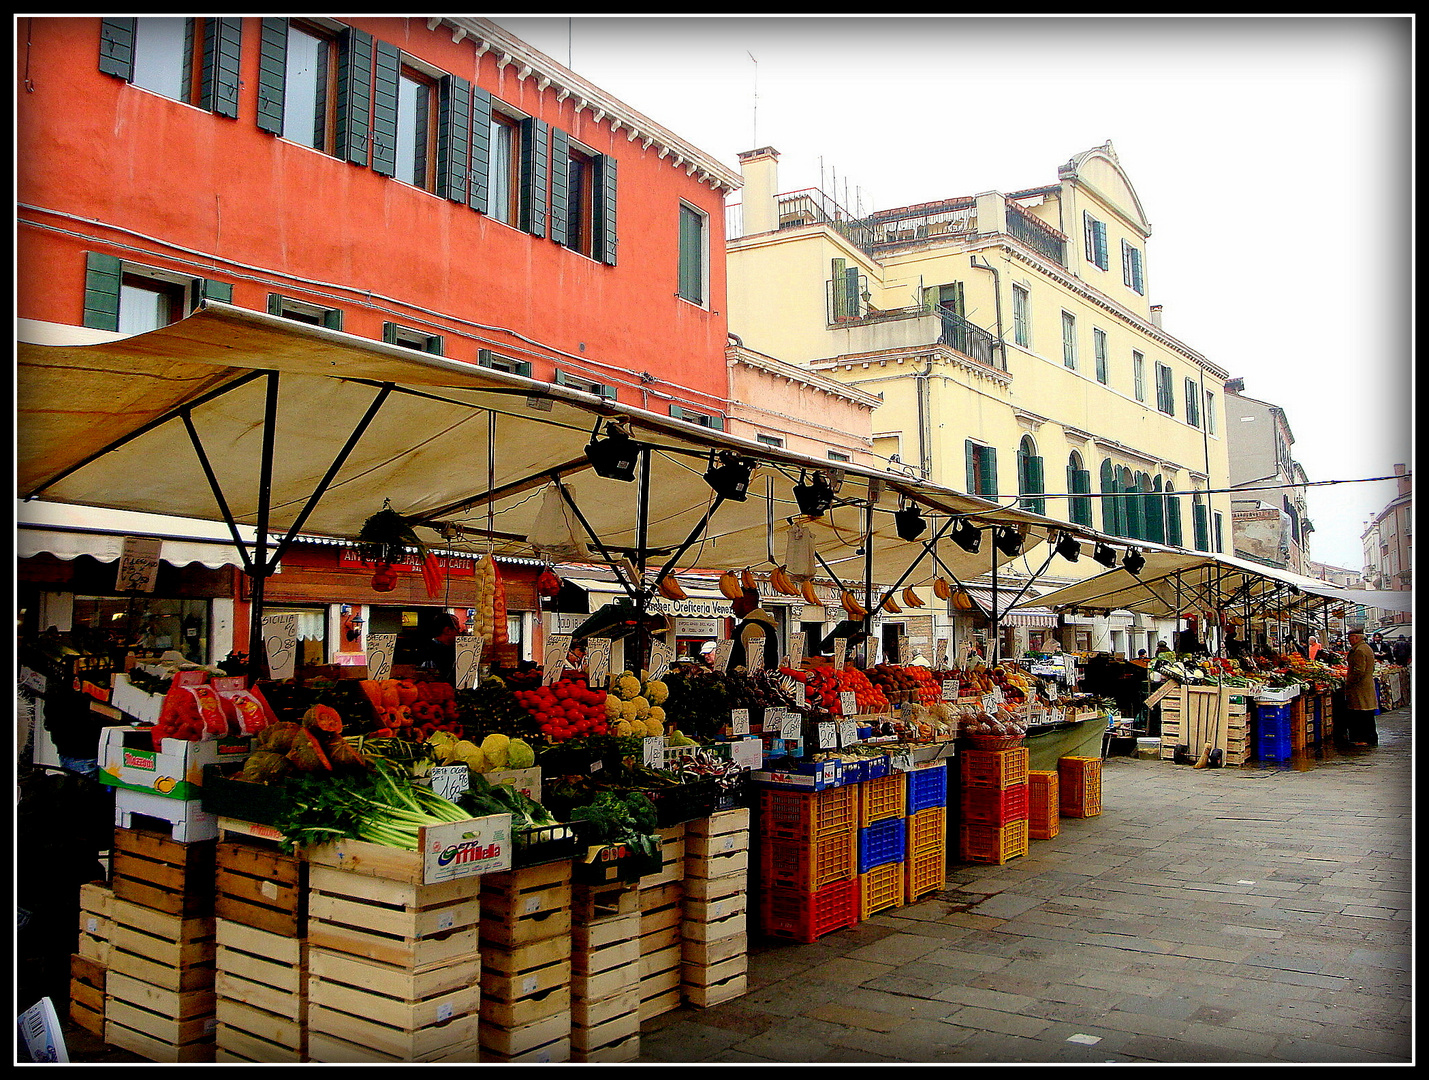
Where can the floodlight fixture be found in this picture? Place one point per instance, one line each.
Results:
(814, 495)
(1104, 555)
(1007, 540)
(1068, 548)
(730, 477)
(1133, 560)
(909, 521)
(613, 456)
(966, 536)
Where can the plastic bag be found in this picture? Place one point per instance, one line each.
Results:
(554, 534)
(246, 711)
(191, 711)
(799, 552)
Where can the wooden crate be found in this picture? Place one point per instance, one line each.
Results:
(719, 865)
(606, 944)
(526, 905)
(162, 873)
(395, 922)
(708, 889)
(360, 1009)
(96, 922)
(545, 1040)
(700, 912)
(261, 986)
(525, 983)
(258, 885)
(155, 1022)
(697, 953)
(659, 989)
(704, 846)
(720, 823)
(167, 940)
(614, 1041)
(704, 986)
(592, 902)
(672, 858)
(86, 993)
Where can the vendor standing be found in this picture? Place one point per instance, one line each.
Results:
(756, 630)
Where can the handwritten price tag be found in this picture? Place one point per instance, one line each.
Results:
(754, 656)
(799, 695)
(280, 639)
(653, 751)
(739, 721)
(950, 689)
(940, 660)
(791, 726)
(848, 732)
(796, 649)
(380, 648)
(450, 781)
(722, 653)
(660, 656)
(848, 702)
(553, 659)
(828, 739)
(597, 661)
(468, 661)
(840, 651)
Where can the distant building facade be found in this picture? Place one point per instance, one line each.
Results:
(1270, 520)
(1389, 547)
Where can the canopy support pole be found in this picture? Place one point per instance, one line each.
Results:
(217, 492)
(642, 533)
(257, 648)
(620, 575)
(927, 546)
(996, 615)
(867, 578)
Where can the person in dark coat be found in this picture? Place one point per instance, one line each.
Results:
(1361, 702)
(439, 653)
(756, 630)
(1402, 652)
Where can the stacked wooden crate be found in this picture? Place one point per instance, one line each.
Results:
(526, 964)
(1171, 728)
(394, 965)
(1239, 744)
(662, 895)
(605, 978)
(714, 956)
(261, 981)
(159, 987)
(90, 964)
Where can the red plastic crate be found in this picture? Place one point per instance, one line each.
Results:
(1043, 814)
(994, 806)
(809, 865)
(995, 768)
(807, 916)
(807, 815)
(1079, 787)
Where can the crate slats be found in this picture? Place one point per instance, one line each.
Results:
(260, 887)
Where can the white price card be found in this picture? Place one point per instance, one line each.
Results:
(739, 721)
(940, 656)
(848, 732)
(450, 781)
(138, 565)
(796, 648)
(280, 643)
(553, 658)
(747, 753)
(597, 661)
(800, 695)
(828, 738)
(754, 656)
(848, 702)
(661, 654)
(468, 661)
(723, 650)
(791, 726)
(380, 648)
(840, 651)
(653, 752)
(950, 689)
(989, 702)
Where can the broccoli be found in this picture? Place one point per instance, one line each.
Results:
(614, 818)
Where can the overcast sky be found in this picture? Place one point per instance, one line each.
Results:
(1271, 155)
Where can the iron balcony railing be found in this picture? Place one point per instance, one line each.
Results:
(1036, 235)
(957, 333)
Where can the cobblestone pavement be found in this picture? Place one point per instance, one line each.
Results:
(1251, 915)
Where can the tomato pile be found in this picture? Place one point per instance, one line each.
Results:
(824, 685)
(569, 708)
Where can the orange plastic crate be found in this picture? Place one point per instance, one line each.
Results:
(1079, 787)
(927, 831)
(924, 873)
(807, 815)
(1043, 813)
(994, 806)
(995, 768)
(881, 888)
(809, 864)
(881, 799)
(808, 916)
(993, 843)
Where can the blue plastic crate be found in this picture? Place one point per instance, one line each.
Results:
(855, 772)
(1274, 746)
(881, 843)
(928, 787)
(877, 766)
(1272, 715)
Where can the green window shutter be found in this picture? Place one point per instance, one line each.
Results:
(354, 96)
(102, 275)
(275, 304)
(606, 240)
(1099, 235)
(332, 318)
(1108, 487)
(1198, 511)
(1034, 477)
(453, 137)
(221, 291)
(1136, 282)
(560, 181)
(272, 74)
(479, 184)
(838, 268)
(1082, 484)
(535, 171)
(931, 293)
(852, 300)
(389, 333)
(1156, 515)
(989, 471)
(1173, 518)
(691, 268)
(384, 108)
(116, 47)
(222, 46)
(970, 450)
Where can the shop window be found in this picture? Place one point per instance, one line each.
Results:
(148, 624)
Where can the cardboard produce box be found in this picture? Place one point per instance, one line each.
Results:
(127, 759)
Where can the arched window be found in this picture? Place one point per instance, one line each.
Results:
(1126, 502)
(1079, 485)
(1173, 516)
(1029, 476)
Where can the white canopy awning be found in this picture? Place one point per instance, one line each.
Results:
(107, 548)
(120, 424)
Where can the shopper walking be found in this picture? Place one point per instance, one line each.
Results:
(1360, 701)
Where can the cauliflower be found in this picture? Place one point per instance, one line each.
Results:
(495, 748)
(519, 755)
(656, 716)
(622, 727)
(612, 707)
(627, 712)
(642, 707)
(656, 692)
(627, 686)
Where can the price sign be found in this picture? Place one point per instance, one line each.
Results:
(799, 691)
(280, 642)
(739, 721)
(848, 732)
(940, 657)
(722, 653)
(653, 751)
(468, 661)
(773, 718)
(660, 656)
(449, 781)
(138, 565)
(989, 702)
(840, 651)
(828, 739)
(950, 689)
(791, 726)
(903, 762)
(904, 656)
(747, 753)
(754, 656)
(848, 702)
(597, 661)
(796, 649)
(380, 648)
(553, 659)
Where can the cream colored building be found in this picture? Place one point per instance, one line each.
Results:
(1012, 339)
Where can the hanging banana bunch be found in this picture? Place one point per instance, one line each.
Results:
(911, 598)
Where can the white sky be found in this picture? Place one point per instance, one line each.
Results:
(1273, 157)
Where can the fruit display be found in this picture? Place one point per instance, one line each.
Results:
(569, 707)
(906, 684)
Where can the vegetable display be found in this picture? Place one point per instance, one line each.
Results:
(380, 806)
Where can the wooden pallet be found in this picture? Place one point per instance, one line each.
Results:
(258, 885)
(86, 993)
(395, 922)
(526, 905)
(261, 985)
(163, 873)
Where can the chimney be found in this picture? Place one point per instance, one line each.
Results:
(1403, 482)
(1156, 314)
(760, 169)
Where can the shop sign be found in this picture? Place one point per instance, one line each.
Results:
(690, 608)
(702, 628)
(451, 565)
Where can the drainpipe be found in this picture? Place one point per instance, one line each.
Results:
(925, 433)
(997, 300)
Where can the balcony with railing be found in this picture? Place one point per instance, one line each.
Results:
(1036, 234)
(862, 330)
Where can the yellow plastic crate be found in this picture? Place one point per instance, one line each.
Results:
(927, 831)
(881, 888)
(924, 873)
(881, 799)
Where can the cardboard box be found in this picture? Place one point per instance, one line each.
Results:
(133, 702)
(127, 759)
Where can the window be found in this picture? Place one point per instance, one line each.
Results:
(579, 190)
(1069, 340)
(315, 87)
(1131, 268)
(308, 90)
(502, 175)
(1219, 520)
(1138, 374)
(534, 175)
(587, 385)
(147, 303)
(1165, 393)
(1210, 413)
(1079, 485)
(412, 339)
(1173, 516)
(416, 133)
(1021, 316)
(190, 60)
(839, 455)
(1099, 350)
(488, 359)
(1029, 476)
(128, 298)
(769, 440)
(301, 311)
(692, 254)
(708, 420)
(981, 469)
(1193, 403)
(582, 198)
(1095, 232)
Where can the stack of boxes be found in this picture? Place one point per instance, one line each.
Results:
(994, 805)
(925, 862)
(661, 897)
(526, 964)
(1079, 787)
(714, 956)
(89, 966)
(882, 842)
(808, 856)
(605, 987)
(1274, 740)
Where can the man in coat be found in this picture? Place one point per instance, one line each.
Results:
(1360, 699)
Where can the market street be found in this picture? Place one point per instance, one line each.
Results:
(1258, 914)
